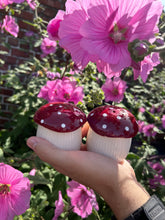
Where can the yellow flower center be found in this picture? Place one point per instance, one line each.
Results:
(4, 189)
(117, 35)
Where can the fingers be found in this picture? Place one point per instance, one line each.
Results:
(85, 129)
(48, 152)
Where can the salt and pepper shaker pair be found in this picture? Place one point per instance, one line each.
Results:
(110, 133)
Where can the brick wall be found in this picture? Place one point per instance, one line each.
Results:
(18, 49)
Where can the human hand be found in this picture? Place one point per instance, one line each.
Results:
(115, 182)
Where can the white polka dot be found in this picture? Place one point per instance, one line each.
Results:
(127, 128)
(119, 117)
(63, 125)
(104, 126)
(92, 114)
(81, 120)
(42, 121)
(51, 105)
(105, 115)
(59, 113)
(60, 106)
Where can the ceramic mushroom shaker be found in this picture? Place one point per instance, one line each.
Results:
(60, 123)
(111, 131)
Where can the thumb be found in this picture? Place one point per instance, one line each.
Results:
(47, 151)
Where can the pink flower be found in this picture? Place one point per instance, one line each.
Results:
(62, 91)
(141, 125)
(32, 172)
(52, 75)
(114, 89)
(59, 207)
(142, 110)
(69, 31)
(144, 67)
(54, 24)
(4, 3)
(32, 4)
(83, 200)
(18, 1)
(112, 25)
(14, 192)
(148, 130)
(48, 46)
(10, 25)
(163, 121)
(158, 178)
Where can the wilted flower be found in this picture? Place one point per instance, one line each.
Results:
(83, 200)
(10, 25)
(52, 75)
(32, 4)
(144, 67)
(54, 24)
(114, 89)
(59, 206)
(48, 46)
(29, 33)
(163, 121)
(62, 90)
(14, 192)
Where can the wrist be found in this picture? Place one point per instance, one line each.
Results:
(127, 198)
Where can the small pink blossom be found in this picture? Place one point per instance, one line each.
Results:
(54, 24)
(48, 46)
(32, 4)
(83, 200)
(59, 206)
(14, 192)
(142, 109)
(52, 75)
(114, 89)
(144, 67)
(141, 125)
(10, 25)
(148, 130)
(163, 121)
(63, 90)
(158, 178)
(18, 1)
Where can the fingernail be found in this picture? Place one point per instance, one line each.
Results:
(32, 143)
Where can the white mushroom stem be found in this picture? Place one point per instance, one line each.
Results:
(114, 147)
(65, 141)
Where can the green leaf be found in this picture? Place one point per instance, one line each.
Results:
(38, 180)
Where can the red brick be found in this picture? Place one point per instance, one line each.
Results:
(26, 26)
(53, 3)
(13, 41)
(4, 48)
(5, 91)
(50, 12)
(25, 46)
(25, 15)
(20, 53)
(9, 60)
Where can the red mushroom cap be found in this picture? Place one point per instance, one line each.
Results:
(60, 117)
(113, 121)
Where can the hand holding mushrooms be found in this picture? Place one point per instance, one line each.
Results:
(110, 133)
